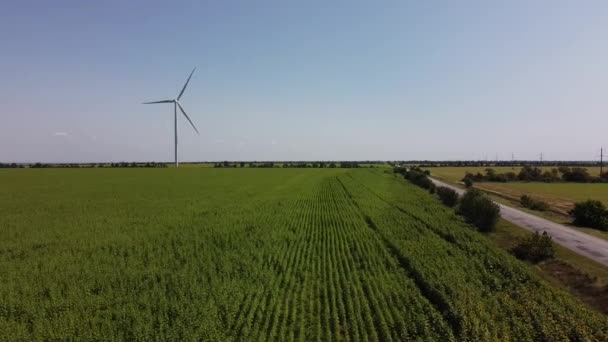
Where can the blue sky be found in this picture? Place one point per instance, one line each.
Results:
(307, 80)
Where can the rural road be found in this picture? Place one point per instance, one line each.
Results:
(584, 244)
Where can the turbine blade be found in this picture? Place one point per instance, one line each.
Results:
(186, 115)
(185, 85)
(163, 101)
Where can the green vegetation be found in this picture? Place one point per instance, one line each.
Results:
(558, 197)
(536, 174)
(455, 174)
(535, 248)
(419, 178)
(447, 196)
(479, 210)
(527, 201)
(259, 254)
(590, 214)
(581, 276)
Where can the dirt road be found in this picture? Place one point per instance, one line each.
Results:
(584, 244)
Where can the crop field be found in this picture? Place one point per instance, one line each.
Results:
(560, 196)
(259, 254)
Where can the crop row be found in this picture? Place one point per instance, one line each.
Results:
(485, 293)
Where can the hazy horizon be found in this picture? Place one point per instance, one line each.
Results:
(309, 81)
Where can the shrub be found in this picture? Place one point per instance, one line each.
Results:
(529, 174)
(590, 213)
(535, 248)
(420, 179)
(576, 174)
(447, 196)
(510, 176)
(534, 204)
(479, 210)
(399, 169)
(468, 182)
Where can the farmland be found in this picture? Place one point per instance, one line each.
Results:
(456, 173)
(259, 254)
(560, 196)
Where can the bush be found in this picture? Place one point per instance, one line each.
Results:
(531, 203)
(447, 196)
(535, 248)
(479, 210)
(576, 174)
(590, 213)
(530, 174)
(468, 182)
(420, 179)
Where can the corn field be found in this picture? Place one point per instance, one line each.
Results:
(258, 255)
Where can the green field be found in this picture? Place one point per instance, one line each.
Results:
(259, 254)
(560, 195)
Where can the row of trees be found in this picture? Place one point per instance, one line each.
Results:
(535, 174)
(474, 206)
(75, 165)
(480, 211)
(348, 165)
(10, 166)
(499, 163)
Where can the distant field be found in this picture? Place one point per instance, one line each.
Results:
(455, 174)
(560, 195)
(256, 255)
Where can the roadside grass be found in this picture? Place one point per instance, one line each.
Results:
(583, 277)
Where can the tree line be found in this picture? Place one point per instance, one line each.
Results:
(88, 165)
(496, 163)
(535, 174)
(333, 164)
(482, 213)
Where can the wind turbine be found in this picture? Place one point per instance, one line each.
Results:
(176, 105)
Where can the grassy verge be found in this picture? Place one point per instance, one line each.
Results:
(584, 278)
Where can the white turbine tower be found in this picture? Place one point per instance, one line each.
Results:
(176, 104)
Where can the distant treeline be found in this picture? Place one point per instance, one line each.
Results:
(87, 165)
(301, 165)
(10, 166)
(535, 174)
(498, 163)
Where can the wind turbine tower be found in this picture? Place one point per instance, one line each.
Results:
(176, 105)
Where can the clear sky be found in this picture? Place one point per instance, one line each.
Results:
(303, 80)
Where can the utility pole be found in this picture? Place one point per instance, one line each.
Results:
(601, 160)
